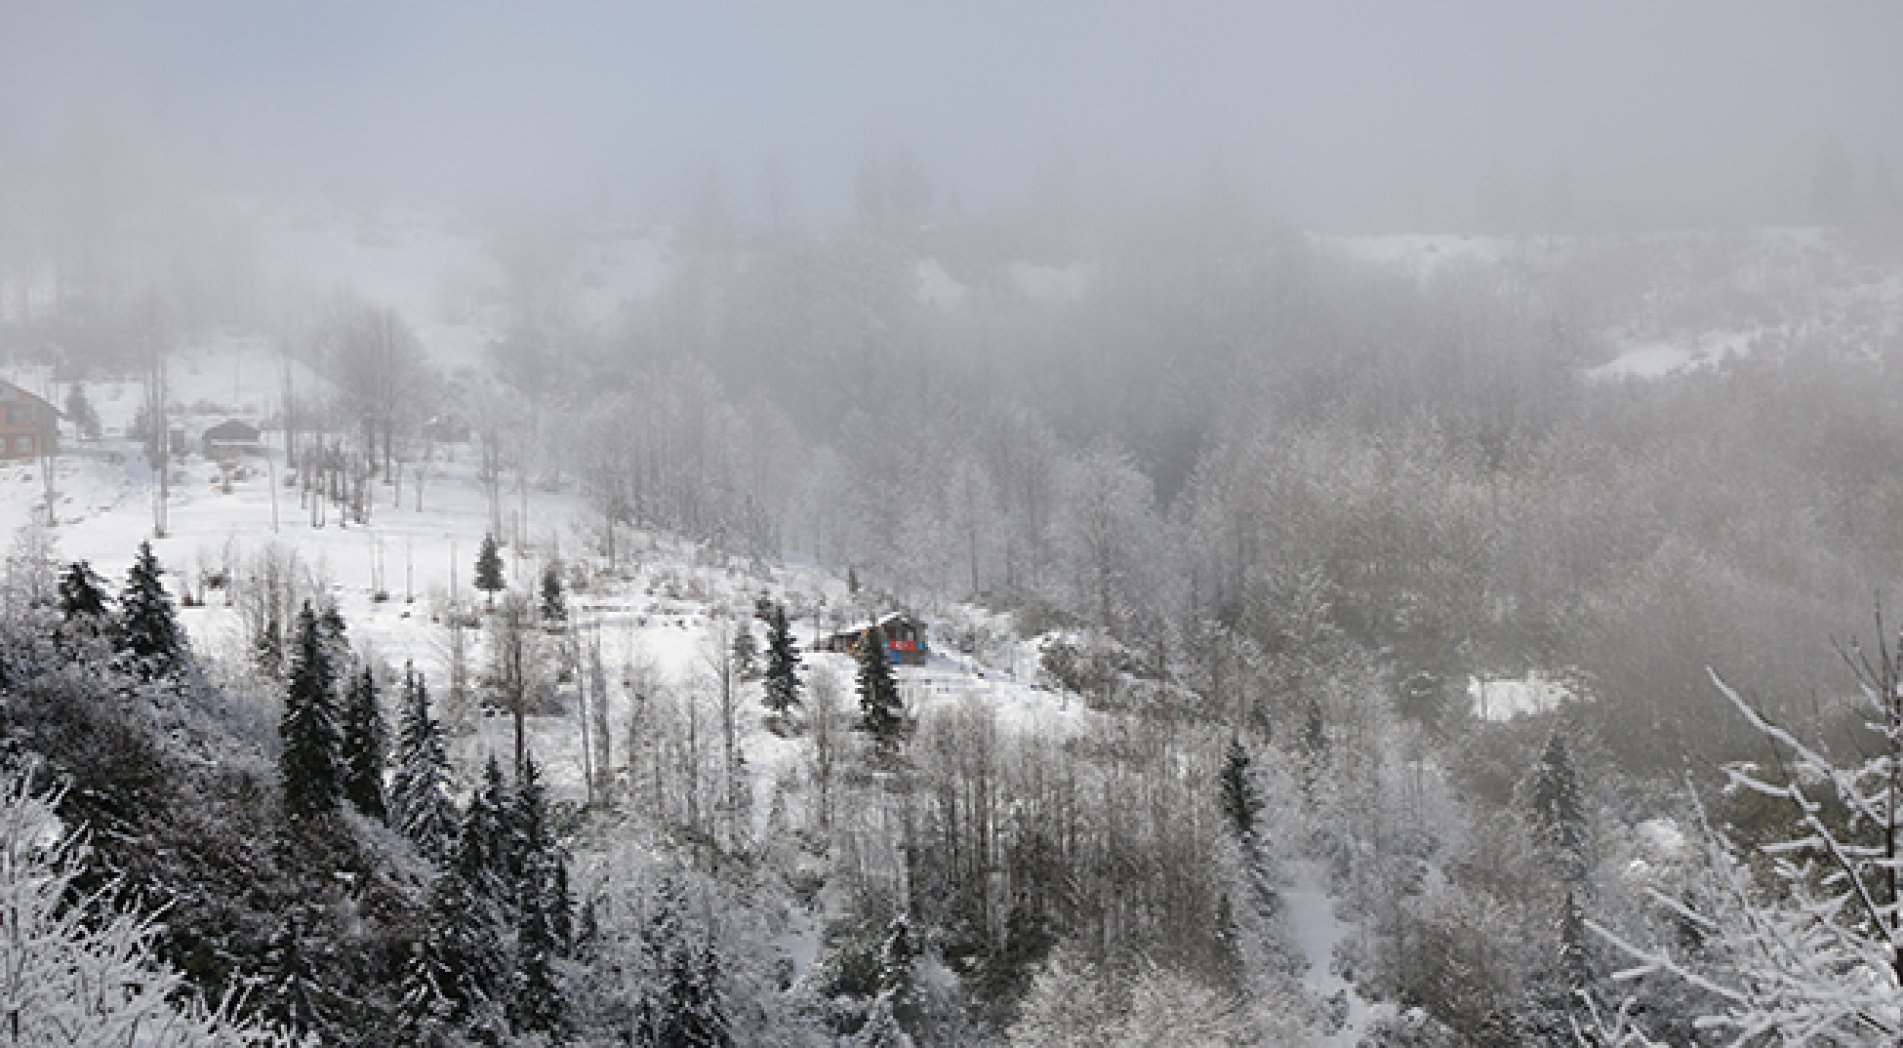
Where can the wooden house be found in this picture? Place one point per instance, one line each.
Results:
(905, 639)
(29, 426)
(230, 439)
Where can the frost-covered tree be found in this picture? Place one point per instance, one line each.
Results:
(782, 679)
(267, 590)
(376, 361)
(148, 633)
(898, 992)
(1170, 1007)
(1107, 529)
(1819, 960)
(518, 664)
(420, 805)
(1066, 1006)
(1071, 1004)
(365, 745)
(881, 713)
(310, 766)
(31, 574)
(84, 969)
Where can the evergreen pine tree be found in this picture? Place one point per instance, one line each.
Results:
(424, 1012)
(554, 598)
(335, 638)
(882, 715)
(267, 648)
(293, 991)
(746, 652)
(536, 1001)
(365, 741)
(1242, 805)
(455, 978)
(1556, 991)
(82, 594)
(148, 627)
(1240, 800)
(882, 1028)
(782, 668)
(310, 766)
(1557, 808)
(80, 412)
(534, 836)
(85, 617)
(686, 1008)
(459, 974)
(561, 906)
(420, 807)
(484, 852)
(529, 839)
(489, 569)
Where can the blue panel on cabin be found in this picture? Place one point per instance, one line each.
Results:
(896, 656)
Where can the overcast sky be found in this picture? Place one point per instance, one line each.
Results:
(1334, 113)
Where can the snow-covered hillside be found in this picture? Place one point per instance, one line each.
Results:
(396, 578)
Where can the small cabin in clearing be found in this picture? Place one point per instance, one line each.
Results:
(904, 639)
(29, 426)
(230, 439)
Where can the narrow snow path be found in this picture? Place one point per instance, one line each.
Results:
(1316, 931)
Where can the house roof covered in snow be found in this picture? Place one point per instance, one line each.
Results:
(15, 391)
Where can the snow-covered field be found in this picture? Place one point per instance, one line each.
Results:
(395, 578)
(1503, 698)
(1657, 358)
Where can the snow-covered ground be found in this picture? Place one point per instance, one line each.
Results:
(1316, 931)
(659, 608)
(665, 602)
(1503, 698)
(1661, 357)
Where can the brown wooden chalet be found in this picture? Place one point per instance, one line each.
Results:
(29, 426)
(904, 639)
(230, 439)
